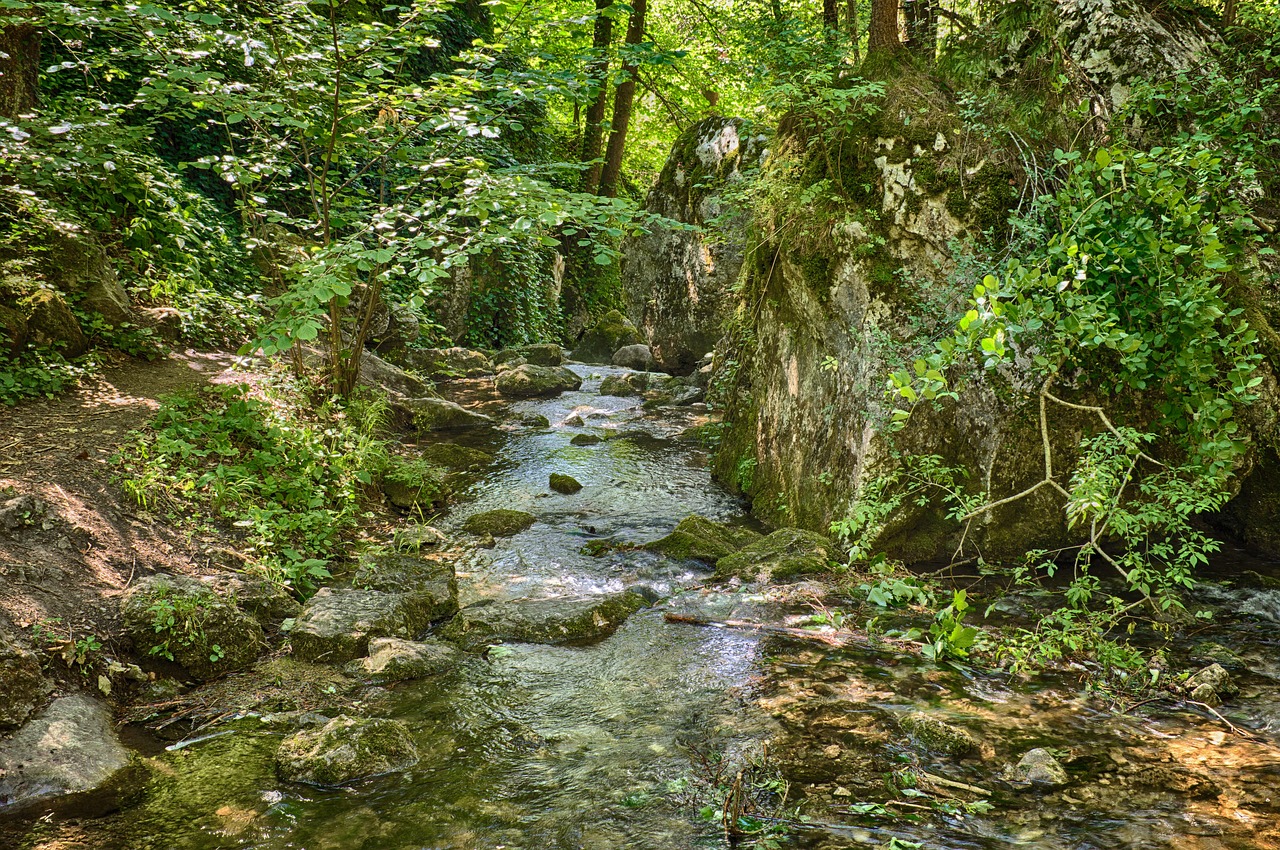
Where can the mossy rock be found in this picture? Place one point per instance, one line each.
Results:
(500, 523)
(456, 458)
(446, 363)
(21, 681)
(545, 621)
(430, 582)
(785, 553)
(536, 381)
(543, 354)
(336, 625)
(611, 333)
(585, 440)
(436, 414)
(565, 484)
(346, 750)
(621, 386)
(13, 329)
(700, 539)
(396, 660)
(535, 420)
(938, 736)
(205, 633)
(414, 486)
(51, 324)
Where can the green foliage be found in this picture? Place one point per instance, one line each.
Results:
(179, 619)
(293, 484)
(56, 638)
(39, 374)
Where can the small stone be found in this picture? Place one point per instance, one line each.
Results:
(346, 750)
(500, 523)
(1210, 686)
(566, 484)
(1039, 767)
(585, 440)
(938, 736)
(20, 512)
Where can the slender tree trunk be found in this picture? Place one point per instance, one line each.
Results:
(831, 18)
(922, 27)
(19, 67)
(598, 71)
(883, 34)
(1229, 13)
(623, 95)
(851, 26)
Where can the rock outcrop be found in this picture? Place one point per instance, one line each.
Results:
(612, 332)
(548, 621)
(186, 620)
(677, 282)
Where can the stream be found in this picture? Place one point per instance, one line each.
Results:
(607, 745)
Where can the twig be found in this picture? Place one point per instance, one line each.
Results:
(951, 783)
(1248, 736)
(831, 639)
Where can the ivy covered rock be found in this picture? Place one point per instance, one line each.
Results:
(69, 757)
(700, 539)
(21, 681)
(336, 624)
(938, 736)
(187, 621)
(500, 523)
(576, 620)
(565, 484)
(51, 324)
(637, 357)
(436, 414)
(530, 381)
(609, 334)
(346, 750)
(396, 660)
(785, 553)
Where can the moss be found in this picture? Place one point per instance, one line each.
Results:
(346, 750)
(500, 523)
(454, 457)
(585, 440)
(698, 538)
(543, 621)
(565, 484)
(183, 619)
(786, 553)
(619, 386)
(937, 736)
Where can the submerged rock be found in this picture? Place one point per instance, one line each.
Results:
(184, 619)
(21, 681)
(612, 332)
(637, 357)
(938, 736)
(346, 750)
(437, 414)
(546, 621)
(396, 660)
(336, 625)
(500, 523)
(1039, 767)
(68, 755)
(585, 440)
(785, 553)
(701, 539)
(566, 484)
(1210, 685)
(537, 381)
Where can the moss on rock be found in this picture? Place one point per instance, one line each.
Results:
(565, 484)
(530, 381)
(546, 621)
(785, 553)
(700, 539)
(938, 736)
(184, 619)
(503, 522)
(346, 750)
(609, 334)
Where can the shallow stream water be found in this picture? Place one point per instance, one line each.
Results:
(595, 746)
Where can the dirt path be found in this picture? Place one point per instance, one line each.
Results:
(87, 543)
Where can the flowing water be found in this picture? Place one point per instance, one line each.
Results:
(605, 746)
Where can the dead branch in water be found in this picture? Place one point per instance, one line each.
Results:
(836, 639)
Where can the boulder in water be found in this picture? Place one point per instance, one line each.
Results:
(500, 523)
(184, 619)
(1039, 767)
(543, 354)
(637, 357)
(700, 539)
(545, 621)
(785, 553)
(69, 755)
(456, 458)
(336, 625)
(530, 381)
(396, 660)
(430, 582)
(585, 440)
(621, 386)
(444, 364)
(1210, 685)
(599, 343)
(437, 414)
(938, 736)
(346, 750)
(565, 484)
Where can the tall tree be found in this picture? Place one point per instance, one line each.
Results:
(623, 95)
(831, 18)
(922, 27)
(851, 25)
(19, 65)
(598, 71)
(883, 35)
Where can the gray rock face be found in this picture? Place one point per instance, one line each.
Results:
(336, 625)
(77, 263)
(446, 363)
(431, 583)
(346, 750)
(612, 332)
(437, 414)
(378, 373)
(1210, 686)
(206, 633)
(677, 283)
(530, 381)
(396, 660)
(637, 357)
(1039, 767)
(546, 621)
(69, 755)
(21, 682)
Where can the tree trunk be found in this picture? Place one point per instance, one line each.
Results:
(1229, 13)
(883, 35)
(922, 27)
(19, 67)
(598, 71)
(623, 94)
(830, 18)
(851, 25)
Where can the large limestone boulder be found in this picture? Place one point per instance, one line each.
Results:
(446, 363)
(346, 750)
(396, 660)
(638, 357)
(700, 539)
(577, 620)
(437, 414)
(336, 624)
(21, 681)
(186, 620)
(612, 332)
(68, 756)
(677, 282)
(529, 381)
(51, 324)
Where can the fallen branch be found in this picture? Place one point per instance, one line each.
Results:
(958, 786)
(841, 639)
